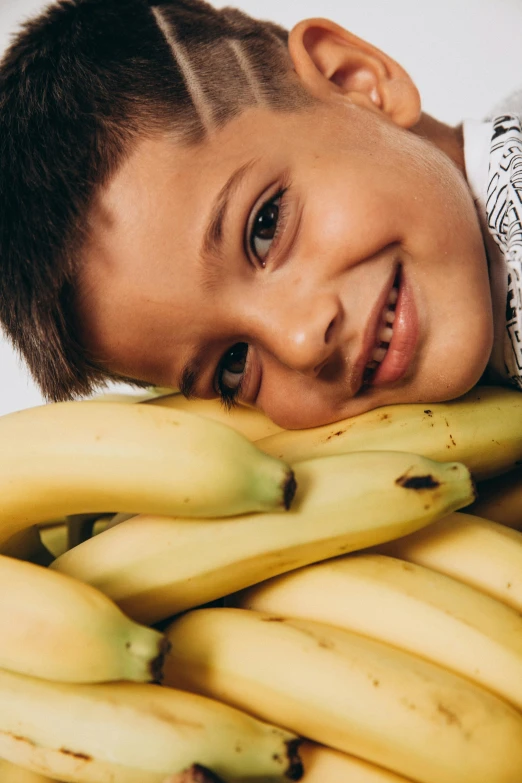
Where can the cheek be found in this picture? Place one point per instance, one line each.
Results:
(414, 196)
(294, 402)
(352, 220)
(438, 197)
(459, 352)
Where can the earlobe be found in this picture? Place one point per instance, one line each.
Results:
(334, 64)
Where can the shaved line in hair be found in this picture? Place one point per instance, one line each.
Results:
(247, 70)
(190, 77)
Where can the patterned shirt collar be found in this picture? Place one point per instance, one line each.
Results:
(493, 154)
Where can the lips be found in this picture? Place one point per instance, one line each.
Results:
(404, 340)
(384, 332)
(395, 357)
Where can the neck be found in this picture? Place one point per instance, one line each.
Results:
(449, 140)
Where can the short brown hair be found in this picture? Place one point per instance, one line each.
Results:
(78, 86)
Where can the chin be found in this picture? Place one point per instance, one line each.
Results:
(439, 389)
(442, 391)
(445, 376)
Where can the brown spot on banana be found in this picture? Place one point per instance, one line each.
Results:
(75, 754)
(418, 482)
(289, 489)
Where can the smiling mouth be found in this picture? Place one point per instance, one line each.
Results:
(384, 332)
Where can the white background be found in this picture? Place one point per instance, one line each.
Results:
(464, 55)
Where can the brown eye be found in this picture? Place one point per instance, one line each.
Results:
(264, 229)
(234, 361)
(230, 372)
(266, 222)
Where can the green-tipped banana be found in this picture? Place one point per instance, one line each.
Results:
(156, 567)
(128, 733)
(79, 457)
(483, 430)
(349, 692)
(60, 629)
(407, 606)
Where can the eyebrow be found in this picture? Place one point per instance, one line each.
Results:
(213, 236)
(211, 249)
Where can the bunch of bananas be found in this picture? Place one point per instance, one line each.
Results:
(192, 595)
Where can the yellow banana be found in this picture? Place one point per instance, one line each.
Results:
(475, 551)
(409, 607)
(325, 765)
(61, 629)
(500, 499)
(483, 429)
(129, 733)
(11, 773)
(349, 692)
(195, 774)
(248, 421)
(75, 457)
(156, 567)
(123, 397)
(135, 395)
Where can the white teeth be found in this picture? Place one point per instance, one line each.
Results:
(385, 335)
(393, 296)
(379, 354)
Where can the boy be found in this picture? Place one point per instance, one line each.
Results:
(196, 199)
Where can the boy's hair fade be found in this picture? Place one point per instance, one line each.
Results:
(79, 85)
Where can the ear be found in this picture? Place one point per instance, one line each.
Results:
(334, 64)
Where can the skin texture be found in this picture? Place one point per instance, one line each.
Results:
(370, 183)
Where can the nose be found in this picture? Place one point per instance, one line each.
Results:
(302, 334)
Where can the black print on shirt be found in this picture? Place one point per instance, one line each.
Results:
(510, 308)
(504, 215)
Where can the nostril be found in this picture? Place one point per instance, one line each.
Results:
(329, 332)
(328, 337)
(319, 367)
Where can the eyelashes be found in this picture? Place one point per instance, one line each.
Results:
(269, 221)
(230, 397)
(232, 363)
(268, 224)
(278, 201)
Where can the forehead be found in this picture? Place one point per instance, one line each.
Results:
(161, 169)
(163, 185)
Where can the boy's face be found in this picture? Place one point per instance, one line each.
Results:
(262, 263)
